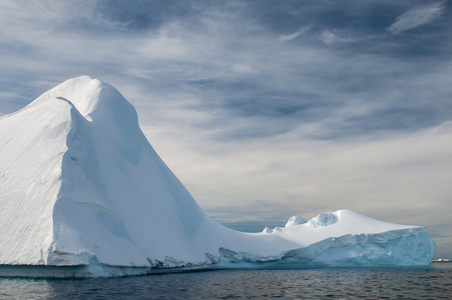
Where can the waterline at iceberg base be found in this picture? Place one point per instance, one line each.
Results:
(83, 193)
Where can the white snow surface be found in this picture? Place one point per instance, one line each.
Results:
(83, 193)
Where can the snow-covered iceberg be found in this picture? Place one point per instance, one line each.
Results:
(83, 193)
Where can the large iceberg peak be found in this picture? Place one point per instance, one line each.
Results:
(92, 98)
(103, 107)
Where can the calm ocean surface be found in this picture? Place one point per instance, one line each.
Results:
(416, 283)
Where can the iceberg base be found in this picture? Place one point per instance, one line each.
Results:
(398, 248)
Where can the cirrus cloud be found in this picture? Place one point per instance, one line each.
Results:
(416, 17)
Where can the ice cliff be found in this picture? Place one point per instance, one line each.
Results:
(83, 193)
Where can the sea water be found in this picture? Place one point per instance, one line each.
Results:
(326, 283)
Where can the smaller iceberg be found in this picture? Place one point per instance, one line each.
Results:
(348, 239)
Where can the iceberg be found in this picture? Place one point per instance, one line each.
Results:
(83, 193)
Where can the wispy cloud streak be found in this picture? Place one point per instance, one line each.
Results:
(417, 17)
(290, 37)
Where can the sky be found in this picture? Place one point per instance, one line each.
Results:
(265, 109)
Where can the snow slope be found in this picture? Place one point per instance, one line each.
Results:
(81, 188)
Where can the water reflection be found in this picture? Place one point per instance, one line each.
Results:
(433, 283)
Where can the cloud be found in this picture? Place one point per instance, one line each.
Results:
(330, 38)
(243, 69)
(416, 17)
(48, 16)
(404, 172)
(290, 37)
